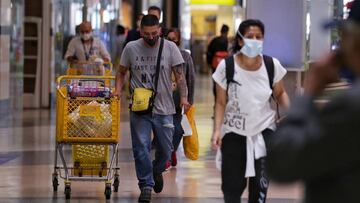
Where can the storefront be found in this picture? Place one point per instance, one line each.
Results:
(201, 21)
(104, 15)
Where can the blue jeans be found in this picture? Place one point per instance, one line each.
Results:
(178, 133)
(141, 126)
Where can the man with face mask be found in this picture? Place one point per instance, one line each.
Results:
(140, 58)
(321, 147)
(85, 47)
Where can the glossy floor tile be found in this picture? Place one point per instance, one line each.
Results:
(27, 159)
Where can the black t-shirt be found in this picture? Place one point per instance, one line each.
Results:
(133, 35)
(217, 44)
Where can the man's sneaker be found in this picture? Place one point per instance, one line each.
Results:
(173, 158)
(167, 166)
(145, 195)
(159, 182)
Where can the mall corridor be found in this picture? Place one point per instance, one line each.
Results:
(42, 40)
(27, 160)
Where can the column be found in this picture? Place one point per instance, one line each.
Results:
(5, 32)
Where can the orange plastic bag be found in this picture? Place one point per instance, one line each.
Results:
(191, 143)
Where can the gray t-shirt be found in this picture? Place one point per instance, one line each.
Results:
(94, 49)
(142, 63)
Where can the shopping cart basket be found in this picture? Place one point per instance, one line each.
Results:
(88, 120)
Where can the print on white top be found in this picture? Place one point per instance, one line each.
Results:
(248, 111)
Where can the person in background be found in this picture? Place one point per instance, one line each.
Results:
(243, 114)
(86, 47)
(119, 43)
(134, 34)
(321, 146)
(174, 35)
(67, 39)
(156, 11)
(217, 50)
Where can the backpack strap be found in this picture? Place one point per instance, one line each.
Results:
(269, 64)
(229, 70)
(270, 68)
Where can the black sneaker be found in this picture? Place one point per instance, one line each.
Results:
(159, 182)
(145, 195)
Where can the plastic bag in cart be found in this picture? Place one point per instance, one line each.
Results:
(91, 120)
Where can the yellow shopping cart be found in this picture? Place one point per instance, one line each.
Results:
(88, 119)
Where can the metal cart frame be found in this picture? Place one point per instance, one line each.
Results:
(108, 170)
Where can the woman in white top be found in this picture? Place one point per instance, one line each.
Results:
(244, 118)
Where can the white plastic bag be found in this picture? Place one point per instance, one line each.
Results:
(218, 159)
(185, 124)
(91, 125)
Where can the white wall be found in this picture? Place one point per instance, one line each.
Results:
(284, 28)
(5, 21)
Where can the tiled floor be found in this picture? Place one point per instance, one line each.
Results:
(27, 155)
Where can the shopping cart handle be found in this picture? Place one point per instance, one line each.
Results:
(90, 62)
(87, 77)
(106, 64)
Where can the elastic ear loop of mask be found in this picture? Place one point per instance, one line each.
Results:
(243, 38)
(238, 32)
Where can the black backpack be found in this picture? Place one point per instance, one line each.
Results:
(230, 70)
(269, 64)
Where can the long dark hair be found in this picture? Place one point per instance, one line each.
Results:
(243, 27)
(176, 31)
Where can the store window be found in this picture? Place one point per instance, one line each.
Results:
(201, 22)
(16, 54)
(103, 15)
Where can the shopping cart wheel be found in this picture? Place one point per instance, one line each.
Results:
(108, 192)
(67, 192)
(55, 182)
(116, 183)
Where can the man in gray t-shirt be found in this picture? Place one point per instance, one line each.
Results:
(140, 57)
(142, 63)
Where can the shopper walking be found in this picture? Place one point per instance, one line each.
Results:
(174, 35)
(245, 83)
(151, 61)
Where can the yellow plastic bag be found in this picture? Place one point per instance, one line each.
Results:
(191, 143)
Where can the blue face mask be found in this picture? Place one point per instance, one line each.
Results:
(252, 47)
